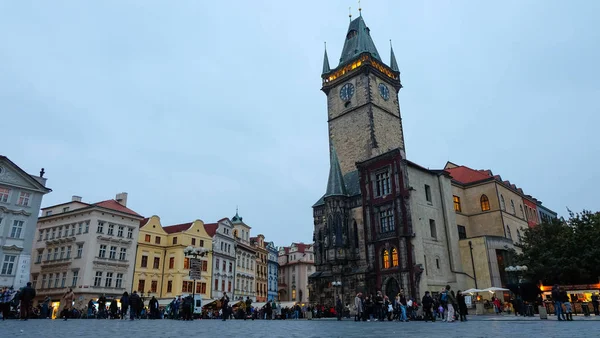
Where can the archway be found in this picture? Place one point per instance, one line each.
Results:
(392, 288)
(283, 295)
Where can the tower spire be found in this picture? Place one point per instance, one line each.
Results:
(393, 63)
(350, 13)
(326, 67)
(359, 9)
(335, 183)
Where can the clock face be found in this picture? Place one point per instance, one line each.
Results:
(347, 91)
(384, 91)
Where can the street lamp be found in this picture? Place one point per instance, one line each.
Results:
(190, 251)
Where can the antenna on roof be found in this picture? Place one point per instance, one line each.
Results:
(350, 13)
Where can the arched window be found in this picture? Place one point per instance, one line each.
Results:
(485, 203)
(386, 259)
(394, 257)
(512, 206)
(508, 234)
(518, 236)
(502, 204)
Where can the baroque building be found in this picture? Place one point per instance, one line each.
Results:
(20, 199)
(296, 263)
(161, 267)
(89, 247)
(273, 267)
(223, 257)
(245, 261)
(384, 223)
(261, 274)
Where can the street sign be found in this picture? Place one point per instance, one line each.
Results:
(195, 275)
(195, 264)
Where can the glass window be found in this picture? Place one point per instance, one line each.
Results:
(386, 259)
(485, 203)
(456, 203)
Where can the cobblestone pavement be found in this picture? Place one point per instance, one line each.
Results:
(477, 327)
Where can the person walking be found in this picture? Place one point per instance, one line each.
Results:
(124, 304)
(556, 298)
(6, 298)
(451, 304)
(225, 306)
(135, 302)
(359, 307)
(339, 307)
(427, 302)
(67, 299)
(462, 306)
(27, 296)
(595, 304)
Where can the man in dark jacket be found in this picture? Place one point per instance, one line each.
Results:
(427, 305)
(135, 302)
(224, 306)
(27, 296)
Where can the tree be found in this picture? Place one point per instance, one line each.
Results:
(563, 252)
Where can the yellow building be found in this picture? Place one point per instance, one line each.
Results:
(161, 267)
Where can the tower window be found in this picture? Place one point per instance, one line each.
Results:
(386, 220)
(351, 34)
(386, 259)
(432, 228)
(512, 206)
(485, 203)
(502, 204)
(394, 257)
(462, 232)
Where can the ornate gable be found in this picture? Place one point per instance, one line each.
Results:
(11, 174)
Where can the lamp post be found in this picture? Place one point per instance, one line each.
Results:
(190, 251)
(336, 285)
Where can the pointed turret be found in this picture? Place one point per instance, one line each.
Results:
(393, 63)
(358, 41)
(335, 184)
(326, 68)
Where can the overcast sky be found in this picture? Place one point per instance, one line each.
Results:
(194, 107)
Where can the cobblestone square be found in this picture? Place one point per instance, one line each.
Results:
(477, 327)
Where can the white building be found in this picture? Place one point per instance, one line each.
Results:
(20, 199)
(88, 247)
(223, 257)
(296, 263)
(245, 276)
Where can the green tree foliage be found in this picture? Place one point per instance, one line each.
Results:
(563, 252)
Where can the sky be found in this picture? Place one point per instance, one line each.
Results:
(195, 108)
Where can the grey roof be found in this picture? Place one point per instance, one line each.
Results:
(358, 41)
(335, 183)
(393, 63)
(326, 67)
(352, 184)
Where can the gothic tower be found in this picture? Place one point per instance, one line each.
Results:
(362, 100)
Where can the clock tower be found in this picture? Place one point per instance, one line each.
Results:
(362, 100)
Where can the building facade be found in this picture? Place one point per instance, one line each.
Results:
(20, 200)
(273, 267)
(161, 267)
(223, 257)
(245, 261)
(261, 273)
(296, 263)
(88, 247)
(545, 214)
(491, 216)
(371, 228)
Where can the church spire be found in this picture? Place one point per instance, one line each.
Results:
(326, 68)
(358, 41)
(335, 183)
(393, 63)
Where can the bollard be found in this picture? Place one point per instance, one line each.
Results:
(543, 312)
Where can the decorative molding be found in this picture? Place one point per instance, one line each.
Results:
(14, 212)
(12, 248)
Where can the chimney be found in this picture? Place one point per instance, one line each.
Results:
(76, 198)
(122, 198)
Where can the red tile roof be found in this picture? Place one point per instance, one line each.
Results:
(171, 229)
(467, 175)
(114, 205)
(211, 228)
(144, 222)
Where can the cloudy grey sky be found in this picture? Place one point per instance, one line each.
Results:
(194, 107)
